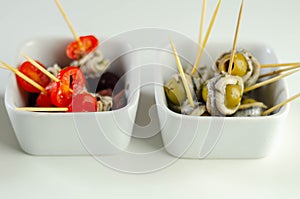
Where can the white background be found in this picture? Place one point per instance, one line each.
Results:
(276, 23)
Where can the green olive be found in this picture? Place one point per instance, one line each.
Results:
(233, 96)
(224, 63)
(248, 101)
(204, 92)
(240, 65)
(175, 91)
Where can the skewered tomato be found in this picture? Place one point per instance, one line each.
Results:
(33, 73)
(72, 82)
(44, 99)
(76, 50)
(83, 102)
(72, 77)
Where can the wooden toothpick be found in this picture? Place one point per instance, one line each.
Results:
(235, 38)
(68, 21)
(202, 24)
(245, 106)
(279, 65)
(206, 38)
(24, 77)
(181, 72)
(41, 68)
(270, 110)
(274, 79)
(275, 72)
(43, 109)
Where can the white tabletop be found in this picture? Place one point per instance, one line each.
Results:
(276, 176)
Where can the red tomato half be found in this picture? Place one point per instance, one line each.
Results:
(83, 102)
(72, 82)
(61, 95)
(33, 73)
(89, 44)
(72, 77)
(44, 99)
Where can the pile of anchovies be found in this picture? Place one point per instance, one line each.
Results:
(215, 91)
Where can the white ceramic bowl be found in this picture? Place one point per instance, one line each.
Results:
(94, 133)
(218, 137)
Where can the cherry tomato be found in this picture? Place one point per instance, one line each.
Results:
(72, 82)
(89, 43)
(44, 99)
(72, 77)
(33, 73)
(83, 102)
(61, 95)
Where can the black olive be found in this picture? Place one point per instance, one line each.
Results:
(107, 81)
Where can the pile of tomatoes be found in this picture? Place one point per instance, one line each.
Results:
(69, 90)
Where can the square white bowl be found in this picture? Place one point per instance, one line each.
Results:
(218, 137)
(93, 133)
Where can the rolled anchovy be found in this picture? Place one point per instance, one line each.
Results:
(105, 103)
(249, 112)
(217, 94)
(251, 109)
(197, 110)
(255, 68)
(186, 109)
(196, 80)
(253, 65)
(54, 70)
(211, 105)
(203, 73)
(175, 91)
(93, 64)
